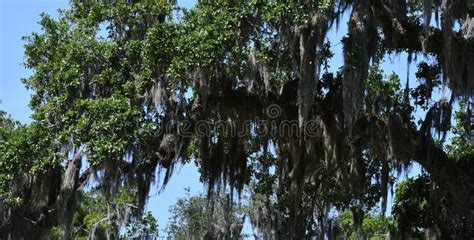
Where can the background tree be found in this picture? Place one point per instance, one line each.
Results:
(198, 217)
(421, 208)
(92, 219)
(423, 211)
(375, 227)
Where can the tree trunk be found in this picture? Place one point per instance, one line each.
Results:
(67, 197)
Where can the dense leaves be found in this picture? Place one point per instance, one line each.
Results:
(197, 217)
(422, 209)
(375, 227)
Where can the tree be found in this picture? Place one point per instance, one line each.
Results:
(422, 209)
(92, 219)
(145, 228)
(375, 227)
(123, 88)
(195, 217)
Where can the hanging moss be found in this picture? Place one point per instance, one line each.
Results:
(123, 100)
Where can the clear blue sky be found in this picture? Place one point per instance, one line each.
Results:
(19, 18)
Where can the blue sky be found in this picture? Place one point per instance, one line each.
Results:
(19, 18)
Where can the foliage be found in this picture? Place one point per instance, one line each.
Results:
(420, 206)
(114, 82)
(461, 147)
(374, 227)
(146, 226)
(94, 208)
(195, 217)
(410, 206)
(384, 94)
(26, 150)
